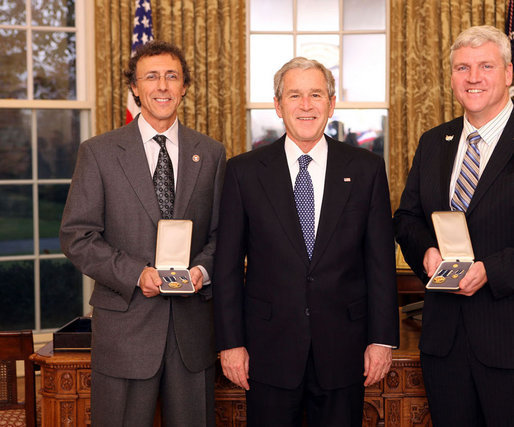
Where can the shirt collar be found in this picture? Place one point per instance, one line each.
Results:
(148, 132)
(491, 130)
(318, 153)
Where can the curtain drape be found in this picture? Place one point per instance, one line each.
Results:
(212, 35)
(420, 92)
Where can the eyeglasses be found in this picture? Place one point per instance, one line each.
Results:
(155, 77)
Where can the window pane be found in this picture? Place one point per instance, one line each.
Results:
(15, 150)
(12, 12)
(323, 48)
(13, 71)
(364, 14)
(54, 65)
(267, 54)
(51, 204)
(319, 15)
(361, 128)
(17, 295)
(266, 127)
(58, 134)
(271, 15)
(364, 68)
(16, 220)
(61, 293)
(55, 13)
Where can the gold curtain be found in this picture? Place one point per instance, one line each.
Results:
(212, 36)
(420, 92)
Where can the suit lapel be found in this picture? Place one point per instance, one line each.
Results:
(338, 186)
(450, 144)
(502, 154)
(189, 164)
(275, 180)
(133, 161)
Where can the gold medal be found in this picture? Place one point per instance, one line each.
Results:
(439, 279)
(455, 265)
(455, 276)
(173, 273)
(175, 285)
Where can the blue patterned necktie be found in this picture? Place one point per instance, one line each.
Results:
(469, 174)
(304, 198)
(163, 180)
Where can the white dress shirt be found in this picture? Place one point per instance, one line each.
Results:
(152, 149)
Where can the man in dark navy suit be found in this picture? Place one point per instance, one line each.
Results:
(313, 319)
(467, 340)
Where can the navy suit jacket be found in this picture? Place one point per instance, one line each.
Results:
(489, 314)
(284, 305)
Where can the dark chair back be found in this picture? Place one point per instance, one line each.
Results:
(17, 346)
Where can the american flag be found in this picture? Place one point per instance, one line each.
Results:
(143, 33)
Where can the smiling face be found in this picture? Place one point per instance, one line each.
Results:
(305, 106)
(480, 81)
(160, 98)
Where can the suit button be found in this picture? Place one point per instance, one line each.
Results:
(307, 312)
(310, 279)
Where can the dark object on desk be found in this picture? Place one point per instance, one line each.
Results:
(75, 335)
(17, 346)
(414, 310)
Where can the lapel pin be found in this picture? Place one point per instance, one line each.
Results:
(347, 180)
(449, 138)
(196, 158)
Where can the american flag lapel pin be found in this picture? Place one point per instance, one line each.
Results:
(347, 180)
(449, 138)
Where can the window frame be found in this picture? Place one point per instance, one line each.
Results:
(340, 105)
(85, 103)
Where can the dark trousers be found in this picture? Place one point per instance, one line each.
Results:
(462, 391)
(269, 406)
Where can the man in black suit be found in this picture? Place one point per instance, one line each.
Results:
(316, 308)
(467, 340)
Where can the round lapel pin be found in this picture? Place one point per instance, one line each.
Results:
(196, 158)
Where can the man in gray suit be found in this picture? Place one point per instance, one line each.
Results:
(145, 344)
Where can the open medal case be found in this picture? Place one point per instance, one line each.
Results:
(456, 250)
(172, 256)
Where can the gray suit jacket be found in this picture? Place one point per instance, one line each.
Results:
(108, 231)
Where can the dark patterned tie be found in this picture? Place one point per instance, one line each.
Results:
(163, 180)
(304, 198)
(469, 173)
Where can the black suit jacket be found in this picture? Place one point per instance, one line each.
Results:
(341, 301)
(489, 314)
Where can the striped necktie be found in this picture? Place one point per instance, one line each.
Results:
(163, 180)
(469, 174)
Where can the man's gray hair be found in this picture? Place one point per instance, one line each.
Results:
(477, 36)
(303, 64)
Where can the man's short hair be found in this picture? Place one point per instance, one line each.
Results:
(303, 64)
(479, 35)
(153, 48)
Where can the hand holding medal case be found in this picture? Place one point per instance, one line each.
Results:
(172, 256)
(456, 250)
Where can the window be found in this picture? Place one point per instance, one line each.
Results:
(349, 37)
(46, 104)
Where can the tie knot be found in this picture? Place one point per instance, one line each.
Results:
(473, 138)
(161, 140)
(304, 161)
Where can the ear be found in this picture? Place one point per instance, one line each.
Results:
(332, 106)
(134, 89)
(508, 75)
(277, 107)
